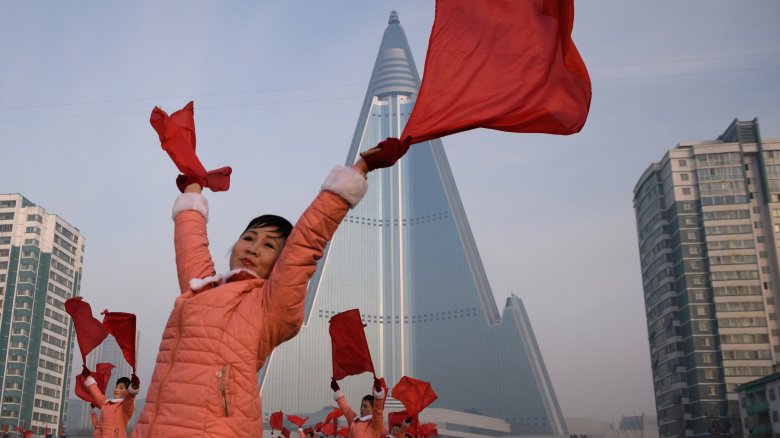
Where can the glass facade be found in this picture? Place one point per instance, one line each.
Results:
(708, 249)
(405, 257)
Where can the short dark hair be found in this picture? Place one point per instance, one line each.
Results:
(370, 399)
(123, 380)
(270, 220)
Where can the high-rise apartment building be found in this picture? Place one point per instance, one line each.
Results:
(405, 256)
(40, 267)
(708, 221)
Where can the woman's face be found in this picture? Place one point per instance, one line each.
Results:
(257, 250)
(120, 391)
(365, 408)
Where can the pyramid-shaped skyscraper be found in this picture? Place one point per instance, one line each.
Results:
(405, 256)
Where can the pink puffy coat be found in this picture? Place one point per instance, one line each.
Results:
(371, 427)
(114, 413)
(218, 337)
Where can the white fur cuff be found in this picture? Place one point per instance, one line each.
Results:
(338, 394)
(191, 201)
(197, 284)
(89, 381)
(346, 182)
(378, 394)
(132, 390)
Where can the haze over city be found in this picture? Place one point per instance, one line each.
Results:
(277, 90)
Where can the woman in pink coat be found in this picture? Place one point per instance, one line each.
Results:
(95, 422)
(115, 413)
(370, 423)
(223, 327)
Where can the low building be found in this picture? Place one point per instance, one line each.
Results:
(760, 406)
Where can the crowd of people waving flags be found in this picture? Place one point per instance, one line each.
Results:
(496, 64)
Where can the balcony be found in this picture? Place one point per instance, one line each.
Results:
(757, 407)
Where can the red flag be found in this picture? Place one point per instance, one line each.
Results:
(122, 327)
(21, 429)
(335, 413)
(344, 431)
(286, 432)
(501, 64)
(328, 429)
(177, 137)
(427, 430)
(89, 331)
(102, 376)
(296, 420)
(317, 427)
(277, 420)
(414, 394)
(351, 355)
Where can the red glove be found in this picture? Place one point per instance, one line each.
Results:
(377, 385)
(386, 153)
(218, 180)
(134, 381)
(85, 371)
(182, 181)
(334, 385)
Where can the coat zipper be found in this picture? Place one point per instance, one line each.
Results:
(222, 375)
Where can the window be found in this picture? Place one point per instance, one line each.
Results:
(684, 176)
(686, 191)
(683, 163)
(771, 393)
(706, 357)
(33, 230)
(775, 419)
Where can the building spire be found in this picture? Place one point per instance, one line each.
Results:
(393, 17)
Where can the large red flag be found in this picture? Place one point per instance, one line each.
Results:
(102, 376)
(351, 355)
(414, 394)
(122, 327)
(277, 420)
(89, 331)
(177, 137)
(335, 413)
(296, 420)
(501, 64)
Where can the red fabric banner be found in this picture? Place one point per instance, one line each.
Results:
(501, 64)
(344, 431)
(102, 376)
(296, 420)
(414, 394)
(89, 331)
(334, 414)
(122, 327)
(328, 429)
(286, 432)
(427, 430)
(277, 420)
(177, 138)
(351, 355)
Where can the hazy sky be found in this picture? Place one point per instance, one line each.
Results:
(278, 88)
